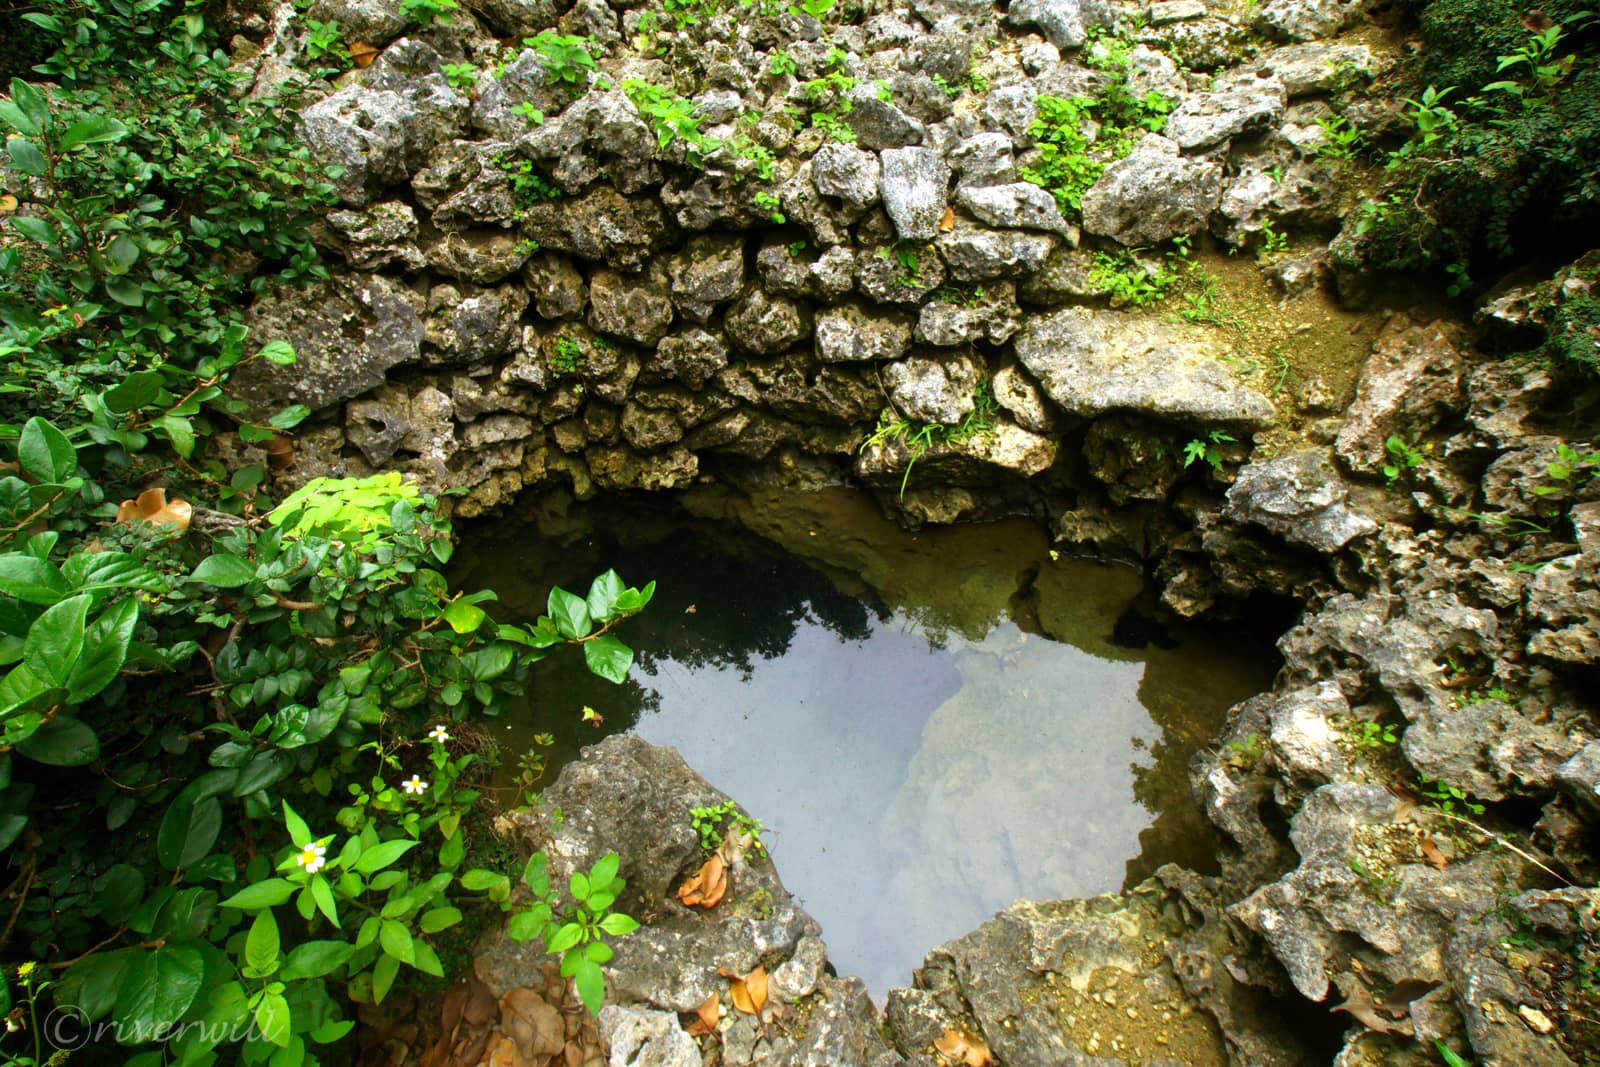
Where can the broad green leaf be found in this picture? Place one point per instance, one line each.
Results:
(33, 104)
(383, 975)
(570, 614)
(618, 925)
(62, 742)
(591, 983)
(322, 893)
(479, 879)
(273, 1019)
(125, 291)
(123, 253)
(564, 938)
(188, 830)
(27, 158)
(604, 870)
(105, 649)
(55, 640)
(178, 430)
(261, 944)
(30, 579)
(313, 959)
(34, 229)
(289, 417)
(225, 571)
(525, 926)
(135, 391)
(266, 894)
(380, 856)
(158, 987)
(436, 919)
(328, 1033)
(427, 960)
(463, 618)
(299, 832)
(44, 453)
(579, 885)
(96, 130)
(279, 352)
(395, 939)
(608, 658)
(118, 891)
(603, 593)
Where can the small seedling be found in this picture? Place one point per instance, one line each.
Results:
(1207, 448)
(1402, 457)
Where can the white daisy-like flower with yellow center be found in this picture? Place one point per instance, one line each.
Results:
(313, 857)
(414, 785)
(439, 733)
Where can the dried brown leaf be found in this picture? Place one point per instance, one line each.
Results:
(532, 1023)
(1358, 1005)
(1430, 852)
(948, 223)
(153, 507)
(706, 1016)
(748, 993)
(362, 54)
(964, 1049)
(708, 885)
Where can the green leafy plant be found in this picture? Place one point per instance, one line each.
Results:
(781, 63)
(1536, 59)
(712, 823)
(770, 204)
(1363, 733)
(920, 437)
(1570, 470)
(1130, 282)
(1208, 448)
(568, 357)
(463, 77)
(567, 59)
(1341, 140)
(528, 186)
(1450, 1057)
(1448, 798)
(1273, 243)
(1402, 457)
(817, 9)
(425, 13)
(674, 120)
(324, 40)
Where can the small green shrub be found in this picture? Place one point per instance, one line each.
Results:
(569, 60)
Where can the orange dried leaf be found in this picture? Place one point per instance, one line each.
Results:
(362, 54)
(153, 507)
(749, 993)
(1430, 852)
(8, 204)
(708, 886)
(964, 1049)
(948, 223)
(706, 1016)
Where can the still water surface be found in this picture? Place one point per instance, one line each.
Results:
(930, 725)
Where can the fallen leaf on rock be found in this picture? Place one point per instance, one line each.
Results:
(1358, 1005)
(153, 507)
(1430, 852)
(1537, 1020)
(280, 453)
(532, 1023)
(964, 1049)
(749, 994)
(948, 223)
(708, 885)
(706, 1016)
(362, 54)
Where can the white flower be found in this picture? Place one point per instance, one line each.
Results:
(313, 857)
(439, 733)
(414, 785)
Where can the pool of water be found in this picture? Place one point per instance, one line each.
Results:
(930, 725)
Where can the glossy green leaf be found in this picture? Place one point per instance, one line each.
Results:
(395, 939)
(157, 988)
(95, 130)
(62, 742)
(382, 855)
(26, 157)
(570, 614)
(55, 640)
(266, 894)
(313, 959)
(602, 598)
(618, 925)
(261, 944)
(224, 571)
(44, 453)
(188, 830)
(299, 832)
(564, 938)
(30, 579)
(273, 1019)
(383, 975)
(591, 984)
(105, 650)
(463, 618)
(135, 391)
(608, 658)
